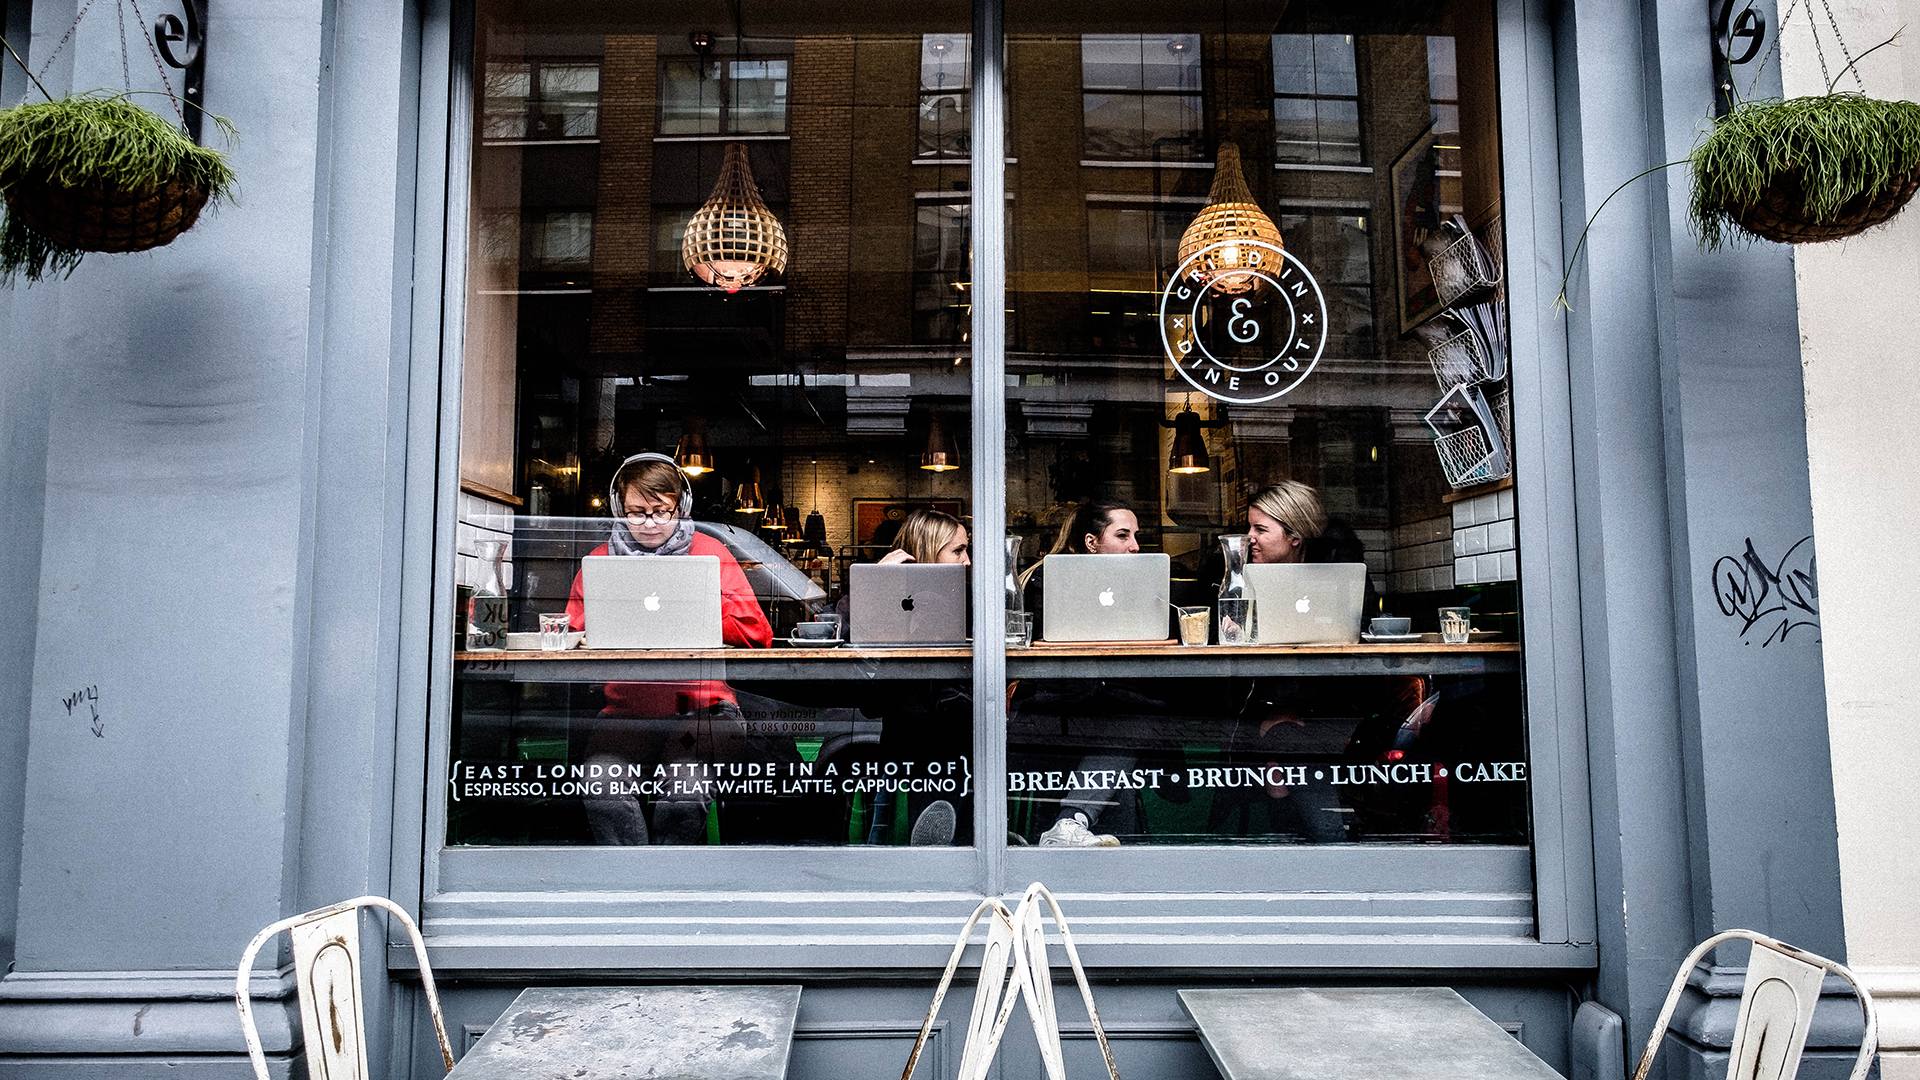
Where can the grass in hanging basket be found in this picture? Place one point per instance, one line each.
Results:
(99, 147)
(1828, 154)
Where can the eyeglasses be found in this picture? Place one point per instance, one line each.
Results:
(651, 517)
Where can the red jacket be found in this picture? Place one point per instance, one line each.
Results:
(742, 624)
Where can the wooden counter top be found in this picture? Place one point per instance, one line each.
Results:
(1083, 661)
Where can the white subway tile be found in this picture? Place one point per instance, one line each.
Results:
(1509, 566)
(1463, 513)
(1459, 543)
(1506, 503)
(1443, 577)
(1475, 540)
(1500, 535)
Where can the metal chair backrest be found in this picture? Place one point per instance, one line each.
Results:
(1776, 1009)
(326, 972)
(1013, 967)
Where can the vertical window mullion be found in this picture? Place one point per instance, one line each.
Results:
(988, 215)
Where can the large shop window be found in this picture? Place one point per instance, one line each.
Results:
(718, 481)
(1197, 354)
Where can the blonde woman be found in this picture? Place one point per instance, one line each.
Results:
(930, 536)
(1280, 521)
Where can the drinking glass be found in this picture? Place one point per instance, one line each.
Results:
(1193, 625)
(553, 632)
(1456, 623)
(1019, 629)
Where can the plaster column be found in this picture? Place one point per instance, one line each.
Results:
(1862, 375)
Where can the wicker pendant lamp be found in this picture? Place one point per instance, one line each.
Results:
(733, 240)
(1231, 214)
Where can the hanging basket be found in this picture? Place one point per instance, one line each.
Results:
(96, 173)
(1805, 170)
(1781, 215)
(100, 218)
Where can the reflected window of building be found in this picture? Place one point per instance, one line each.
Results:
(1338, 243)
(541, 99)
(1316, 99)
(1131, 248)
(1141, 97)
(701, 96)
(942, 306)
(946, 110)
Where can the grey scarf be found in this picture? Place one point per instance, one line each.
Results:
(621, 542)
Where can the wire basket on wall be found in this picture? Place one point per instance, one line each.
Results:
(1461, 358)
(1469, 437)
(1462, 269)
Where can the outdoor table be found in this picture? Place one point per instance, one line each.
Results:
(1358, 1033)
(631, 1032)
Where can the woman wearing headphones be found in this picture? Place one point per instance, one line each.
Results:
(660, 722)
(653, 505)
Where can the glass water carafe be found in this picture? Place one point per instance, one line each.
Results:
(1233, 580)
(1015, 600)
(487, 621)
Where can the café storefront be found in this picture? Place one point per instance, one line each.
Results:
(845, 269)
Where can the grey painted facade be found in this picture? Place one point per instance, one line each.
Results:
(224, 489)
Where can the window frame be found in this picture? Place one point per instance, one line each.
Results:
(1142, 94)
(725, 81)
(1359, 114)
(1388, 907)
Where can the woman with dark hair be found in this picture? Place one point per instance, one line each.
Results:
(1096, 528)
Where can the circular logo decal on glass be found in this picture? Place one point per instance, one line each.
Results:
(1243, 321)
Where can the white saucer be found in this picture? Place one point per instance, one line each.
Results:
(1388, 639)
(530, 640)
(811, 643)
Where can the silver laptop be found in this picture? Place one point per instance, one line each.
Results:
(651, 601)
(1307, 603)
(907, 604)
(1105, 597)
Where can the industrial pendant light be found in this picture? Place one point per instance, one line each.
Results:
(1231, 216)
(748, 500)
(941, 455)
(692, 455)
(1189, 445)
(733, 240)
(1189, 452)
(815, 532)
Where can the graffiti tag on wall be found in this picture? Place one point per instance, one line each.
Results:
(1769, 601)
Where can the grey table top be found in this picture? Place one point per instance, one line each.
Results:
(1357, 1033)
(638, 1032)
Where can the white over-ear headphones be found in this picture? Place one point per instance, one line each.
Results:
(686, 485)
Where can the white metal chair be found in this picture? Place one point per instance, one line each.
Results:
(1013, 966)
(1776, 1009)
(326, 970)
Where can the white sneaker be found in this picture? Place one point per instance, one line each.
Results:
(1072, 832)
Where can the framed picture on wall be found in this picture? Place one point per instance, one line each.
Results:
(1417, 214)
(877, 521)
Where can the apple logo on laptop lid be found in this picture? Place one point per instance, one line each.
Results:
(1303, 605)
(1106, 597)
(906, 602)
(652, 602)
